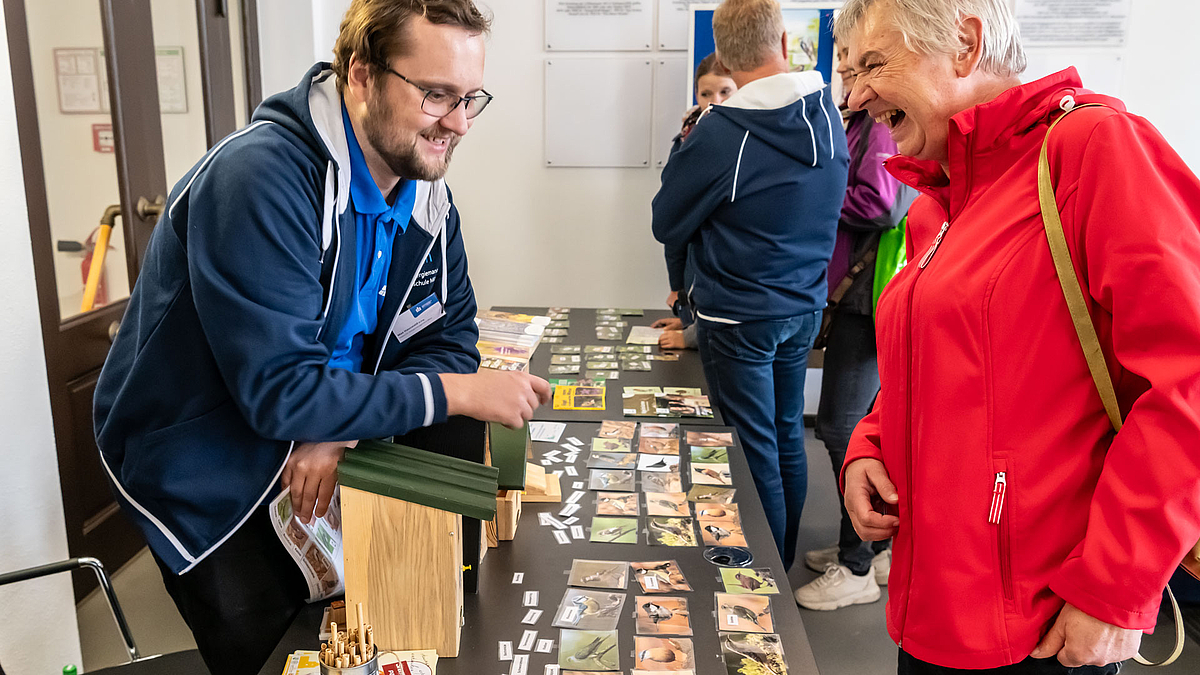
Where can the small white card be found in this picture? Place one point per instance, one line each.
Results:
(572, 520)
(528, 638)
(570, 615)
(544, 647)
(551, 669)
(577, 485)
(520, 664)
(574, 441)
(532, 616)
(417, 317)
(576, 496)
(569, 510)
(562, 537)
(571, 471)
(651, 583)
(548, 432)
(506, 652)
(531, 598)
(577, 531)
(518, 577)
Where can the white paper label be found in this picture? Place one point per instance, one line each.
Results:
(506, 653)
(544, 647)
(572, 520)
(551, 520)
(652, 583)
(558, 474)
(520, 664)
(577, 531)
(568, 446)
(532, 616)
(576, 496)
(551, 669)
(731, 620)
(569, 615)
(562, 537)
(577, 485)
(518, 577)
(531, 599)
(569, 510)
(574, 441)
(527, 640)
(572, 471)
(546, 462)
(544, 518)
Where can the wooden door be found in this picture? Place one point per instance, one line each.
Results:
(102, 140)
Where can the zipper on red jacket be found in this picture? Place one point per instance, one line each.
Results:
(908, 459)
(996, 517)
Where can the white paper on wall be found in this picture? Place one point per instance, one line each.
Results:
(598, 111)
(599, 25)
(1074, 23)
(673, 24)
(1101, 71)
(78, 80)
(671, 100)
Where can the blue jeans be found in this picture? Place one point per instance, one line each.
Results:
(759, 367)
(849, 383)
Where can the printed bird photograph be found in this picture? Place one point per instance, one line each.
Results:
(667, 504)
(744, 613)
(607, 530)
(589, 610)
(745, 580)
(671, 531)
(590, 650)
(753, 654)
(660, 576)
(599, 574)
(616, 504)
(651, 653)
(658, 615)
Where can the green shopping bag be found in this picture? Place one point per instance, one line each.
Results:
(891, 258)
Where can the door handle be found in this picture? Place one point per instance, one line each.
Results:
(112, 330)
(151, 210)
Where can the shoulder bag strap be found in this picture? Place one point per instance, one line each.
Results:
(1073, 293)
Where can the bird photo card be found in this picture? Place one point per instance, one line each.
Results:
(659, 615)
(613, 429)
(590, 650)
(559, 359)
(660, 576)
(673, 504)
(663, 654)
(607, 530)
(661, 482)
(590, 610)
(744, 613)
(745, 580)
(759, 653)
(710, 438)
(650, 445)
(612, 460)
(613, 480)
(616, 504)
(658, 463)
(612, 574)
(711, 474)
(671, 532)
(713, 455)
(598, 349)
(565, 349)
(711, 494)
(602, 444)
(722, 532)
(717, 512)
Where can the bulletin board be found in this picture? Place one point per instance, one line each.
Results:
(607, 129)
(599, 25)
(670, 88)
(809, 27)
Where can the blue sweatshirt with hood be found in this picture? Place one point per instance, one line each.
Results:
(221, 364)
(757, 189)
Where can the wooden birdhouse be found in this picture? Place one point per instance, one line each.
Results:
(403, 540)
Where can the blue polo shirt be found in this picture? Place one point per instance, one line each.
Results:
(376, 223)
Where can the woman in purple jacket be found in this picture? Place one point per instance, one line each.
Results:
(875, 201)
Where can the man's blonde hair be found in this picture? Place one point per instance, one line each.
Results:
(931, 27)
(747, 32)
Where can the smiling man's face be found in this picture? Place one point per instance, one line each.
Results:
(912, 94)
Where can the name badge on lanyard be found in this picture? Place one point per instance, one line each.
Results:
(418, 317)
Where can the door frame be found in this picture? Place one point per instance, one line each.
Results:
(128, 42)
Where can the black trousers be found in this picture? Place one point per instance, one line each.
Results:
(240, 600)
(909, 666)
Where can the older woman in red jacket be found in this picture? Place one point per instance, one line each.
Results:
(1024, 528)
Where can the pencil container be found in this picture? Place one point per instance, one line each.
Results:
(367, 668)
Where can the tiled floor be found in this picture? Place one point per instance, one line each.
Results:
(850, 641)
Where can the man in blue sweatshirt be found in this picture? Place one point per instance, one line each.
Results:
(757, 189)
(307, 287)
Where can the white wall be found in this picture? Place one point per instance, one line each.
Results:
(40, 634)
(581, 237)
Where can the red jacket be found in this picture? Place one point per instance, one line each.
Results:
(983, 377)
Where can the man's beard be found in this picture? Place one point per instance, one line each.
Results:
(400, 152)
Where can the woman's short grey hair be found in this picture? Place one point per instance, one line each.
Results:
(931, 27)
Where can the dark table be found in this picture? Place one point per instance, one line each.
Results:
(495, 613)
(686, 372)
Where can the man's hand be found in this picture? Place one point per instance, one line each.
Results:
(311, 472)
(671, 339)
(867, 483)
(669, 324)
(1081, 640)
(672, 298)
(500, 396)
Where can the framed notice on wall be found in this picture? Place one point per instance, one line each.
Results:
(79, 75)
(599, 25)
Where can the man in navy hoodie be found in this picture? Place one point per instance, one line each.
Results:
(307, 287)
(757, 189)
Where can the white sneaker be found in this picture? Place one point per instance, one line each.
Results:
(821, 559)
(837, 588)
(882, 564)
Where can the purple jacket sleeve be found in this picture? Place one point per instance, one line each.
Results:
(871, 189)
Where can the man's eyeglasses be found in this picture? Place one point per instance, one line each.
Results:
(441, 103)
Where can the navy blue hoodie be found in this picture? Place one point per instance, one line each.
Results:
(757, 189)
(221, 362)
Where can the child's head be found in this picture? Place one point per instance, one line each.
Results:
(713, 82)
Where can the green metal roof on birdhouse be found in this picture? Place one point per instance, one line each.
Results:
(509, 447)
(421, 477)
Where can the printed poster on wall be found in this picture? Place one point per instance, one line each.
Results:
(1074, 23)
(599, 25)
